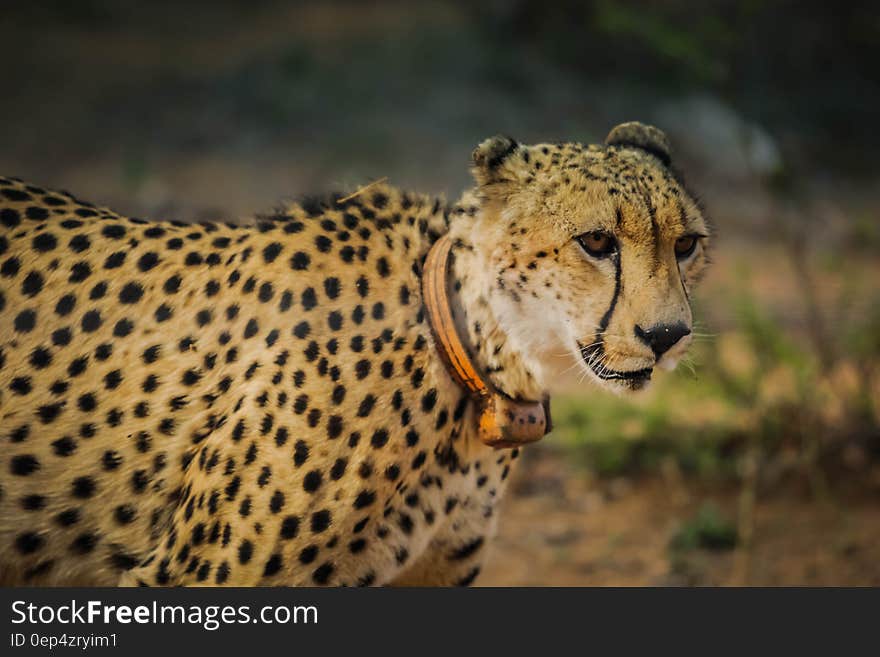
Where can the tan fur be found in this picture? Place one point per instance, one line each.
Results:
(167, 418)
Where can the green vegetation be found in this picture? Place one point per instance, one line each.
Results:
(709, 529)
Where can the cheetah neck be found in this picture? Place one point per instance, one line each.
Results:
(500, 356)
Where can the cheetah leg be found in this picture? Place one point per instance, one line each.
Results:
(456, 554)
(208, 542)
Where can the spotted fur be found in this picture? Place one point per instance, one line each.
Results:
(261, 404)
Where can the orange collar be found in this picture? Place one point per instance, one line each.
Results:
(503, 422)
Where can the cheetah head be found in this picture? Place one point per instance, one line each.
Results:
(591, 249)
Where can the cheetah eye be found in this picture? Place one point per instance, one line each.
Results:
(597, 243)
(684, 246)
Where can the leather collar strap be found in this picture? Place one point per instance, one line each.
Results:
(503, 422)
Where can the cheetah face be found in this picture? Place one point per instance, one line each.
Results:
(594, 249)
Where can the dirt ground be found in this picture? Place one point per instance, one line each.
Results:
(560, 527)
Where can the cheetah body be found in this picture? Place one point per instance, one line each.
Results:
(258, 404)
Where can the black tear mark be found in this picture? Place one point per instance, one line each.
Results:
(606, 318)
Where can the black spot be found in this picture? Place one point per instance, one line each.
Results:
(98, 291)
(113, 379)
(23, 464)
(309, 298)
(10, 267)
(362, 369)
(334, 426)
(139, 481)
(301, 455)
(68, 517)
(79, 272)
(114, 260)
(379, 439)
(147, 261)
(172, 285)
(20, 434)
(323, 243)
(320, 521)
(286, 301)
(245, 551)
(323, 573)
(270, 253)
(301, 330)
(87, 402)
(300, 261)
(91, 321)
(111, 460)
(21, 385)
(312, 481)
(364, 498)
(32, 284)
(124, 514)
(277, 502)
(405, 523)
(79, 243)
(29, 542)
(468, 579)
(163, 313)
(289, 527)
(334, 320)
(131, 293)
(123, 328)
(308, 554)
(363, 286)
(273, 565)
(114, 231)
(9, 218)
(83, 487)
(84, 543)
(331, 287)
(466, 550)
(429, 400)
(33, 502)
(265, 293)
(338, 469)
(44, 242)
(49, 412)
(366, 406)
(25, 321)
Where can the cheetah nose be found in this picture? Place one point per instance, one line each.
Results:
(661, 337)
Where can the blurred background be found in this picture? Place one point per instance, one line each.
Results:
(758, 461)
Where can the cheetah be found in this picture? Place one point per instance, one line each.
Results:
(264, 403)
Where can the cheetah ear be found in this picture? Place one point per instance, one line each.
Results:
(643, 137)
(492, 159)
